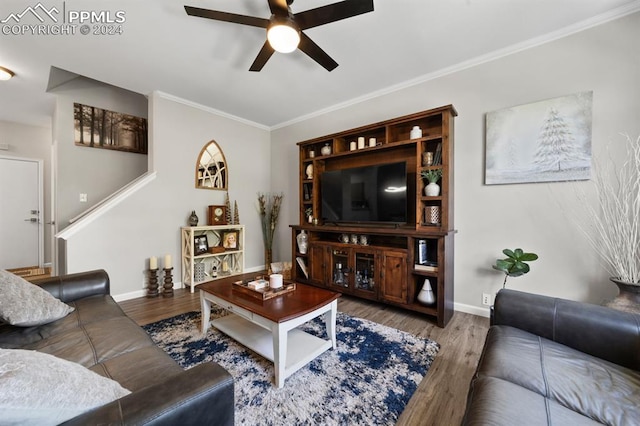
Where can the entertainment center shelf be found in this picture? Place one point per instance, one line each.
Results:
(380, 261)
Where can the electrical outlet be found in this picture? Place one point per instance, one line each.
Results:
(486, 299)
(83, 198)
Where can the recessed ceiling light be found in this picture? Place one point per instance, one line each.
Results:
(6, 74)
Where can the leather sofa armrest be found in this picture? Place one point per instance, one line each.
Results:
(597, 330)
(76, 286)
(202, 395)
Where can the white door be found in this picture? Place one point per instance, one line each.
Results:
(21, 234)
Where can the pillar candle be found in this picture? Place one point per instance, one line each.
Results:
(360, 142)
(352, 146)
(167, 261)
(372, 141)
(153, 262)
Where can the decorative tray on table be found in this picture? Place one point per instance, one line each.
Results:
(264, 293)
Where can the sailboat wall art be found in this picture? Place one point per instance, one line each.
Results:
(546, 141)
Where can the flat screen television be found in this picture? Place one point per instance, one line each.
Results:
(376, 194)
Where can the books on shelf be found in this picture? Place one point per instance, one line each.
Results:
(303, 266)
(437, 157)
(427, 267)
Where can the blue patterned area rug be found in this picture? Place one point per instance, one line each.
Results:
(368, 379)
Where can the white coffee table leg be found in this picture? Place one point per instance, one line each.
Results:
(280, 335)
(205, 310)
(330, 322)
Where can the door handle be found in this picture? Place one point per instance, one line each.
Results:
(33, 220)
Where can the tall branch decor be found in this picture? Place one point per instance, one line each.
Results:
(269, 210)
(613, 225)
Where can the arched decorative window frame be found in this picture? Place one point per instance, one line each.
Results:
(201, 175)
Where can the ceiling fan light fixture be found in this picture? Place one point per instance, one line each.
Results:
(6, 74)
(283, 37)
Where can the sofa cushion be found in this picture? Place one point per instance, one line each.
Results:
(24, 304)
(87, 310)
(40, 389)
(600, 390)
(499, 402)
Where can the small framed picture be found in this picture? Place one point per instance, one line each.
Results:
(230, 240)
(200, 244)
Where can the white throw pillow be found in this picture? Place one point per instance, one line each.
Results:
(25, 304)
(40, 389)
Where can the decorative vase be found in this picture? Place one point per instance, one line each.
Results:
(326, 149)
(193, 219)
(268, 257)
(432, 189)
(628, 300)
(416, 133)
(426, 296)
(303, 241)
(432, 215)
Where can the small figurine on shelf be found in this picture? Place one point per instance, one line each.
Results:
(193, 219)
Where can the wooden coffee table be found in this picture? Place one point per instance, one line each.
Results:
(269, 327)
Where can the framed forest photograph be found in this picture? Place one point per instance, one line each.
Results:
(101, 128)
(546, 141)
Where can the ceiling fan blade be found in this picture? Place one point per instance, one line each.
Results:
(262, 58)
(332, 12)
(279, 7)
(227, 17)
(316, 53)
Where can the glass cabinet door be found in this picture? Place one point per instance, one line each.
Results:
(365, 278)
(340, 268)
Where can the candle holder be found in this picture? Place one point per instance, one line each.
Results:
(167, 288)
(152, 288)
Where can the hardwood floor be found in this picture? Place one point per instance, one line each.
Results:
(441, 396)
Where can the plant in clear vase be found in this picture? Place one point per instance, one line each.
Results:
(269, 210)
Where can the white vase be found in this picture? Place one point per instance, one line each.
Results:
(426, 296)
(303, 241)
(432, 190)
(326, 149)
(415, 133)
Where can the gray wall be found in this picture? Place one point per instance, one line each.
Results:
(33, 142)
(95, 172)
(148, 222)
(604, 59)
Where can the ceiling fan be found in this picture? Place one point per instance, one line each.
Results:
(284, 29)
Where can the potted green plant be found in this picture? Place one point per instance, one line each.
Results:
(308, 212)
(515, 263)
(432, 189)
(612, 225)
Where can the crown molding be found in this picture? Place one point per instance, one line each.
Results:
(594, 21)
(210, 110)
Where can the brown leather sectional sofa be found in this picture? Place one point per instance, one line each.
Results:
(99, 336)
(549, 361)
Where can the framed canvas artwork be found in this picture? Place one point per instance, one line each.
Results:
(101, 128)
(547, 141)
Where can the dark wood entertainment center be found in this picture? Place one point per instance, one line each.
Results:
(384, 269)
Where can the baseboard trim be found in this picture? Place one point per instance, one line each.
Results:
(470, 309)
(176, 285)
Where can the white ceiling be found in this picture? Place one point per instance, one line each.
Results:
(207, 62)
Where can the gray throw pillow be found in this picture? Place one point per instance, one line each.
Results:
(40, 389)
(25, 304)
